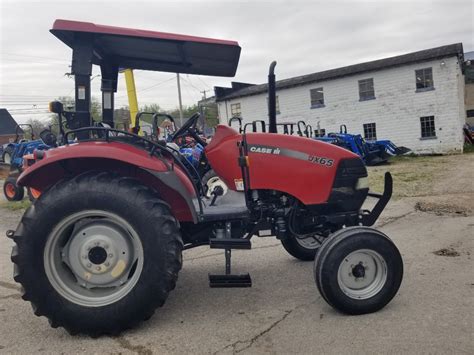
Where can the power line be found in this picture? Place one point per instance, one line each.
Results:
(148, 88)
(32, 56)
(188, 80)
(27, 109)
(30, 113)
(205, 84)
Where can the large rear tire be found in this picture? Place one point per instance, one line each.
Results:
(12, 191)
(97, 254)
(358, 270)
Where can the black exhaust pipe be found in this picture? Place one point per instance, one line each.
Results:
(272, 124)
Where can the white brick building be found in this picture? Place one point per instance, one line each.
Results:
(415, 100)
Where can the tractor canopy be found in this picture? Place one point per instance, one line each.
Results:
(150, 50)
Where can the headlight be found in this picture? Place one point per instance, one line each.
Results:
(362, 183)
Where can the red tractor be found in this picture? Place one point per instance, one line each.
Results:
(101, 248)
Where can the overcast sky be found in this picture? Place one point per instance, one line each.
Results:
(303, 36)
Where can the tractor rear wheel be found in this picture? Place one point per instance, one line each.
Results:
(301, 248)
(358, 270)
(12, 191)
(97, 254)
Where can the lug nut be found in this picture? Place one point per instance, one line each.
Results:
(111, 255)
(98, 268)
(89, 265)
(107, 264)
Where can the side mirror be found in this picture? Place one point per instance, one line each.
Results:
(56, 107)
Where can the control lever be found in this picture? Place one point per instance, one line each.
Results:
(218, 191)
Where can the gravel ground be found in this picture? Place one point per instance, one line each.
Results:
(282, 313)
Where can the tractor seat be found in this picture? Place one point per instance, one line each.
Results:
(230, 206)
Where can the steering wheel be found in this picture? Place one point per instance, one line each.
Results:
(189, 128)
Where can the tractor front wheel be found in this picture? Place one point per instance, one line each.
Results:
(97, 254)
(12, 191)
(358, 270)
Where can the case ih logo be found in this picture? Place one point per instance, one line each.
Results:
(264, 150)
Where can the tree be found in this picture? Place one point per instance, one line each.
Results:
(152, 108)
(37, 126)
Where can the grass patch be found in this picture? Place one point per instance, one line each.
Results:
(412, 175)
(468, 148)
(17, 205)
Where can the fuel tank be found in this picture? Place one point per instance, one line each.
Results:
(300, 166)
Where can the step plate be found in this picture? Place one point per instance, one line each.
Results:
(230, 243)
(243, 280)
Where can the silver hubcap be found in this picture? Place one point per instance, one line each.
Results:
(362, 274)
(93, 258)
(309, 242)
(7, 159)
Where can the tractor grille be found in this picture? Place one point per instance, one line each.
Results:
(344, 195)
(348, 172)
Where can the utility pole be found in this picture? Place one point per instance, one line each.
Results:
(180, 103)
(204, 94)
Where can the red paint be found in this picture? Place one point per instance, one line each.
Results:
(78, 26)
(309, 182)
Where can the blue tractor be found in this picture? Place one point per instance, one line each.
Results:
(371, 152)
(14, 155)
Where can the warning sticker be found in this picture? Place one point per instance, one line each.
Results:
(239, 184)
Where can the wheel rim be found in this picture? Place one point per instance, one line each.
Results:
(10, 190)
(35, 193)
(93, 258)
(7, 159)
(362, 274)
(310, 242)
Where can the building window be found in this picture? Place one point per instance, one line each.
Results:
(470, 113)
(366, 89)
(235, 110)
(428, 127)
(317, 97)
(370, 132)
(424, 79)
(277, 104)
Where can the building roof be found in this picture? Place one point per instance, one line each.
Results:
(469, 55)
(238, 90)
(8, 125)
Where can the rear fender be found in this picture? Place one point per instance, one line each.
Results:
(173, 186)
